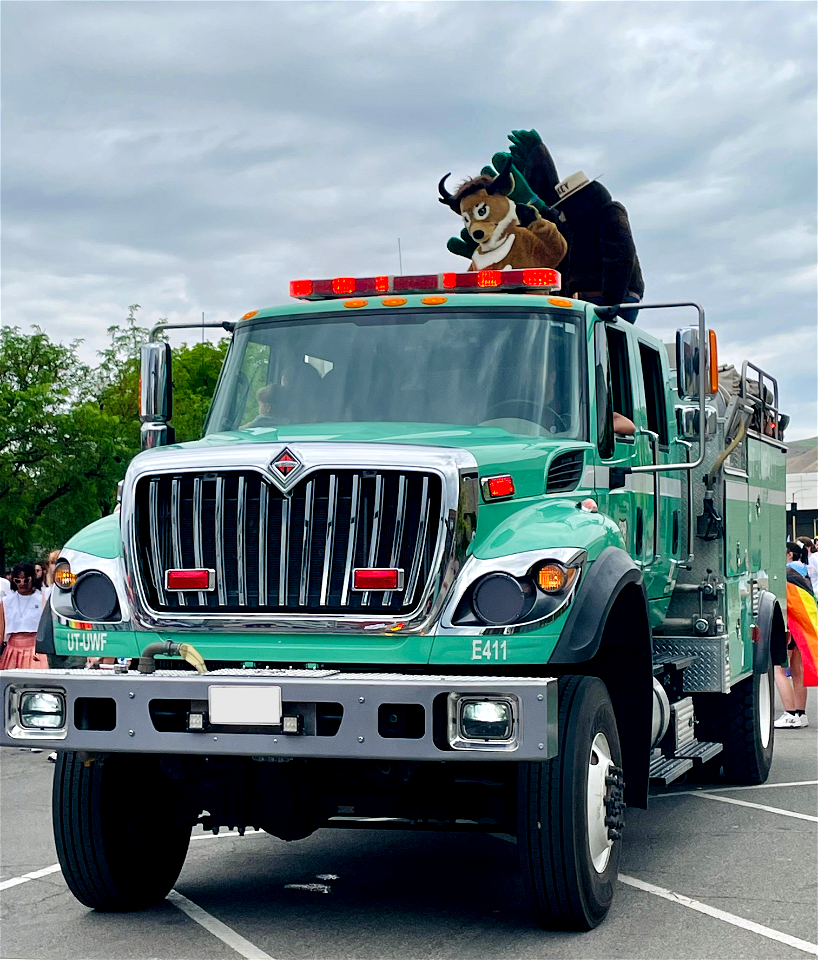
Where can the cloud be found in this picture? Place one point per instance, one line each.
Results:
(196, 156)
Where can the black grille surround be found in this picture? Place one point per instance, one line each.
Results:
(293, 553)
(565, 472)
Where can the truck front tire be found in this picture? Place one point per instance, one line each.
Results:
(570, 813)
(117, 842)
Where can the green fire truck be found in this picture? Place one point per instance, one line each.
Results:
(412, 573)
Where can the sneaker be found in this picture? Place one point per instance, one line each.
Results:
(787, 720)
(804, 720)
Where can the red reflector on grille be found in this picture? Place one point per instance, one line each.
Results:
(377, 578)
(497, 487)
(190, 579)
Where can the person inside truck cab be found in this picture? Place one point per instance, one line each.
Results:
(623, 426)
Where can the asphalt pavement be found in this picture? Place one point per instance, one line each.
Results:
(707, 873)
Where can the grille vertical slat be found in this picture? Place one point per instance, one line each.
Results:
(417, 560)
(221, 582)
(305, 544)
(241, 557)
(397, 536)
(375, 536)
(156, 559)
(353, 531)
(263, 500)
(197, 530)
(290, 552)
(176, 530)
(329, 539)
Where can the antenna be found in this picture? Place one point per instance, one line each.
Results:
(400, 259)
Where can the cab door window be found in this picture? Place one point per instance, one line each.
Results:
(621, 388)
(654, 392)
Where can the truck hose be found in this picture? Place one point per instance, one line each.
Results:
(731, 446)
(147, 661)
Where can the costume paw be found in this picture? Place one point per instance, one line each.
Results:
(462, 246)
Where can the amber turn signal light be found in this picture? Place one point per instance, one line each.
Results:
(63, 577)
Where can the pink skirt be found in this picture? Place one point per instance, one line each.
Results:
(20, 653)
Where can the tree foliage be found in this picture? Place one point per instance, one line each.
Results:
(69, 430)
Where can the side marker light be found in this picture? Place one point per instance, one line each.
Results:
(560, 302)
(249, 315)
(497, 488)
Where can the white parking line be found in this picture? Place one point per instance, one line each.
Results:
(758, 806)
(224, 933)
(757, 786)
(750, 925)
(34, 875)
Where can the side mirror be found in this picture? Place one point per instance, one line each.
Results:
(690, 352)
(155, 394)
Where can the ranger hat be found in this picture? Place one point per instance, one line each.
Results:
(570, 185)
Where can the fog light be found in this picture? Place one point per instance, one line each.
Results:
(486, 719)
(195, 721)
(42, 711)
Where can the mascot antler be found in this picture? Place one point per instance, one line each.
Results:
(445, 196)
(503, 183)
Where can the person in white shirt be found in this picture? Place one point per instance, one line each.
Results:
(5, 587)
(20, 612)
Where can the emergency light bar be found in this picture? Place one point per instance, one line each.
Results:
(476, 281)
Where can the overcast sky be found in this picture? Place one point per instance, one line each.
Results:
(196, 156)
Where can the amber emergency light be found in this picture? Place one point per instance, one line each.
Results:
(540, 279)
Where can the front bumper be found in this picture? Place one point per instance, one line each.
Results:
(130, 713)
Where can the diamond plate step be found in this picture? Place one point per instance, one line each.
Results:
(700, 751)
(668, 769)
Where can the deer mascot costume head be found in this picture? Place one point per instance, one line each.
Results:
(493, 222)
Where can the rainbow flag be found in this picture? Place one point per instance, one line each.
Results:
(802, 622)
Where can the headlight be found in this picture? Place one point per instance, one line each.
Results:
(500, 598)
(40, 710)
(94, 596)
(483, 722)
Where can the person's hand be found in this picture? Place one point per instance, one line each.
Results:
(462, 246)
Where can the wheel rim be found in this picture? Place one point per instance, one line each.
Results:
(764, 709)
(599, 763)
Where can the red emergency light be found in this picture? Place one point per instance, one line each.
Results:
(540, 279)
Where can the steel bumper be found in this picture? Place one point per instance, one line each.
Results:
(360, 696)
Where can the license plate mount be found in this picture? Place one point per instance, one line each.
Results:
(244, 705)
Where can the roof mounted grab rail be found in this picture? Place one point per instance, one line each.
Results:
(159, 327)
(609, 313)
(759, 401)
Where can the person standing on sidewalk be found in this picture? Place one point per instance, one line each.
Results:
(20, 613)
(802, 646)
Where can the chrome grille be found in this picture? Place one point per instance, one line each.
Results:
(294, 553)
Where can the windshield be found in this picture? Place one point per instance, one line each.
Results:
(520, 371)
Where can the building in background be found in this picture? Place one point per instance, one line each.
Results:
(802, 488)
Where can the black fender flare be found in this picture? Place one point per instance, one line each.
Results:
(608, 575)
(45, 632)
(770, 641)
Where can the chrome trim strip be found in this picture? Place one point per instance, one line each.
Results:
(329, 540)
(417, 559)
(306, 539)
(397, 539)
(353, 536)
(284, 554)
(241, 557)
(263, 496)
(176, 532)
(375, 537)
(156, 559)
(450, 464)
(197, 530)
(221, 579)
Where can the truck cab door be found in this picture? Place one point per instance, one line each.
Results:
(617, 453)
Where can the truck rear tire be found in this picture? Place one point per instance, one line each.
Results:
(570, 813)
(747, 729)
(117, 844)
